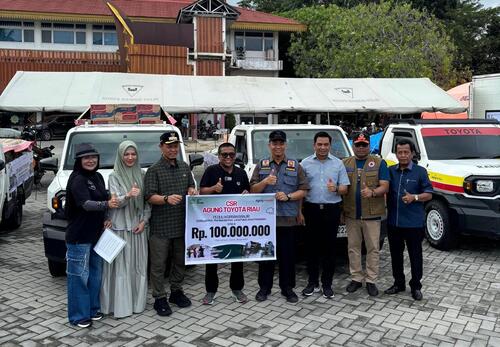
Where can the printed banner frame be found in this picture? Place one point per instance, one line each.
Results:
(227, 228)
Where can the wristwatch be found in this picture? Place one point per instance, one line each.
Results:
(165, 198)
(289, 196)
(416, 197)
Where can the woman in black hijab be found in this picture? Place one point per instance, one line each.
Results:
(86, 204)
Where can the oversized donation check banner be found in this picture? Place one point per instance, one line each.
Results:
(230, 228)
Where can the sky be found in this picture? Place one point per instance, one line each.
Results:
(486, 3)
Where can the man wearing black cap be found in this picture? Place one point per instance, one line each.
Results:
(165, 185)
(286, 179)
(364, 205)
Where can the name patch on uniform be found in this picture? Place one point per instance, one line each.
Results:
(228, 178)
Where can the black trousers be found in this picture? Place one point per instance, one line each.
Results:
(286, 242)
(322, 223)
(236, 281)
(413, 238)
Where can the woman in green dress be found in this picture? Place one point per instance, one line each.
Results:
(124, 281)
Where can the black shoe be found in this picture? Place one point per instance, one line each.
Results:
(177, 297)
(417, 294)
(328, 292)
(87, 323)
(394, 289)
(310, 289)
(97, 316)
(262, 294)
(162, 307)
(372, 289)
(290, 295)
(353, 286)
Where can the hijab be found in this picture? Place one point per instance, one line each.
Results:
(127, 176)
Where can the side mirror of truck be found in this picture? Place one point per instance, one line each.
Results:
(239, 161)
(195, 160)
(2, 164)
(49, 164)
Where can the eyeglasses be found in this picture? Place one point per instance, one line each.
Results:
(228, 155)
(361, 144)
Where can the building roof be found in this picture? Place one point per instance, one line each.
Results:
(147, 10)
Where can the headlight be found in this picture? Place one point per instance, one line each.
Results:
(484, 186)
(59, 201)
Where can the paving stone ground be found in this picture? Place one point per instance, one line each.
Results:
(461, 305)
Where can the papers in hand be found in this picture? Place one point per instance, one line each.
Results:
(109, 245)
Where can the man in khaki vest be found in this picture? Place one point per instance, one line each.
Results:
(364, 205)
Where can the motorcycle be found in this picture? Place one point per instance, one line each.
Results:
(39, 153)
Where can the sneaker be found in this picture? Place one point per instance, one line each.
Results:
(208, 299)
(98, 316)
(177, 297)
(372, 289)
(310, 289)
(328, 292)
(239, 296)
(394, 289)
(353, 286)
(162, 307)
(290, 295)
(262, 295)
(84, 323)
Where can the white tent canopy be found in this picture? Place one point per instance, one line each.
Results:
(76, 91)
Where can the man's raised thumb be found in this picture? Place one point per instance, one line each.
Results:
(134, 185)
(220, 180)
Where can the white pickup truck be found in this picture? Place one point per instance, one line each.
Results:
(106, 138)
(16, 180)
(251, 144)
(462, 158)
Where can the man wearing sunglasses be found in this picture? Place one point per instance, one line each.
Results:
(364, 206)
(224, 178)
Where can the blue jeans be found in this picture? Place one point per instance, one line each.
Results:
(84, 270)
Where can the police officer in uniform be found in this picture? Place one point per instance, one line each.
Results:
(286, 179)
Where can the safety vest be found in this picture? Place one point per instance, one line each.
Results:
(371, 207)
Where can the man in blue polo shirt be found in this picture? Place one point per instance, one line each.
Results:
(328, 180)
(408, 190)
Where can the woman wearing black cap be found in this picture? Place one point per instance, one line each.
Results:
(86, 206)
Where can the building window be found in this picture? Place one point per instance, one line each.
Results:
(14, 31)
(104, 35)
(253, 41)
(64, 33)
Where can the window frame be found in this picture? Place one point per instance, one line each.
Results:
(22, 26)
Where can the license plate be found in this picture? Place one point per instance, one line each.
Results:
(342, 231)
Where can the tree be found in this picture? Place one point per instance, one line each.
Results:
(373, 40)
(275, 6)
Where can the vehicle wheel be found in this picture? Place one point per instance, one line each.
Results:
(438, 226)
(46, 135)
(16, 218)
(56, 268)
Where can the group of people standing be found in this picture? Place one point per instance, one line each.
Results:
(148, 211)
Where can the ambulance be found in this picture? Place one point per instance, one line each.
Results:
(462, 158)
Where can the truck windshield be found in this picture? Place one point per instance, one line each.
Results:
(107, 143)
(299, 143)
(478, 143)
